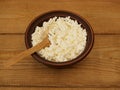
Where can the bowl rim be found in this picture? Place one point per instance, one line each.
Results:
(59, 64)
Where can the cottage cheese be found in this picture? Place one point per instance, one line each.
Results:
(67, 37)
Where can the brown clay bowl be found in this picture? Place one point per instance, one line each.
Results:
(38, 21)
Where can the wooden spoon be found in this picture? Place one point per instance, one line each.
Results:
(27, 52)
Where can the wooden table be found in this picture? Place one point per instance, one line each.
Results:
(99, 70)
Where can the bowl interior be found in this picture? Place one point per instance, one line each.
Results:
(38, 21)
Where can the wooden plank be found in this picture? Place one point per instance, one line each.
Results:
(103, 15)
(12, 42)
(40, 88)
(99, 69)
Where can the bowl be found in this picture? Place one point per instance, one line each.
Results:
(38, 21)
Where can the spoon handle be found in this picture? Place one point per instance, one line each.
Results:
(27, 52)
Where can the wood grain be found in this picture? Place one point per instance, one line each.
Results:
(27, 52)
(103, 15)
(40, 88)
(99, 69)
